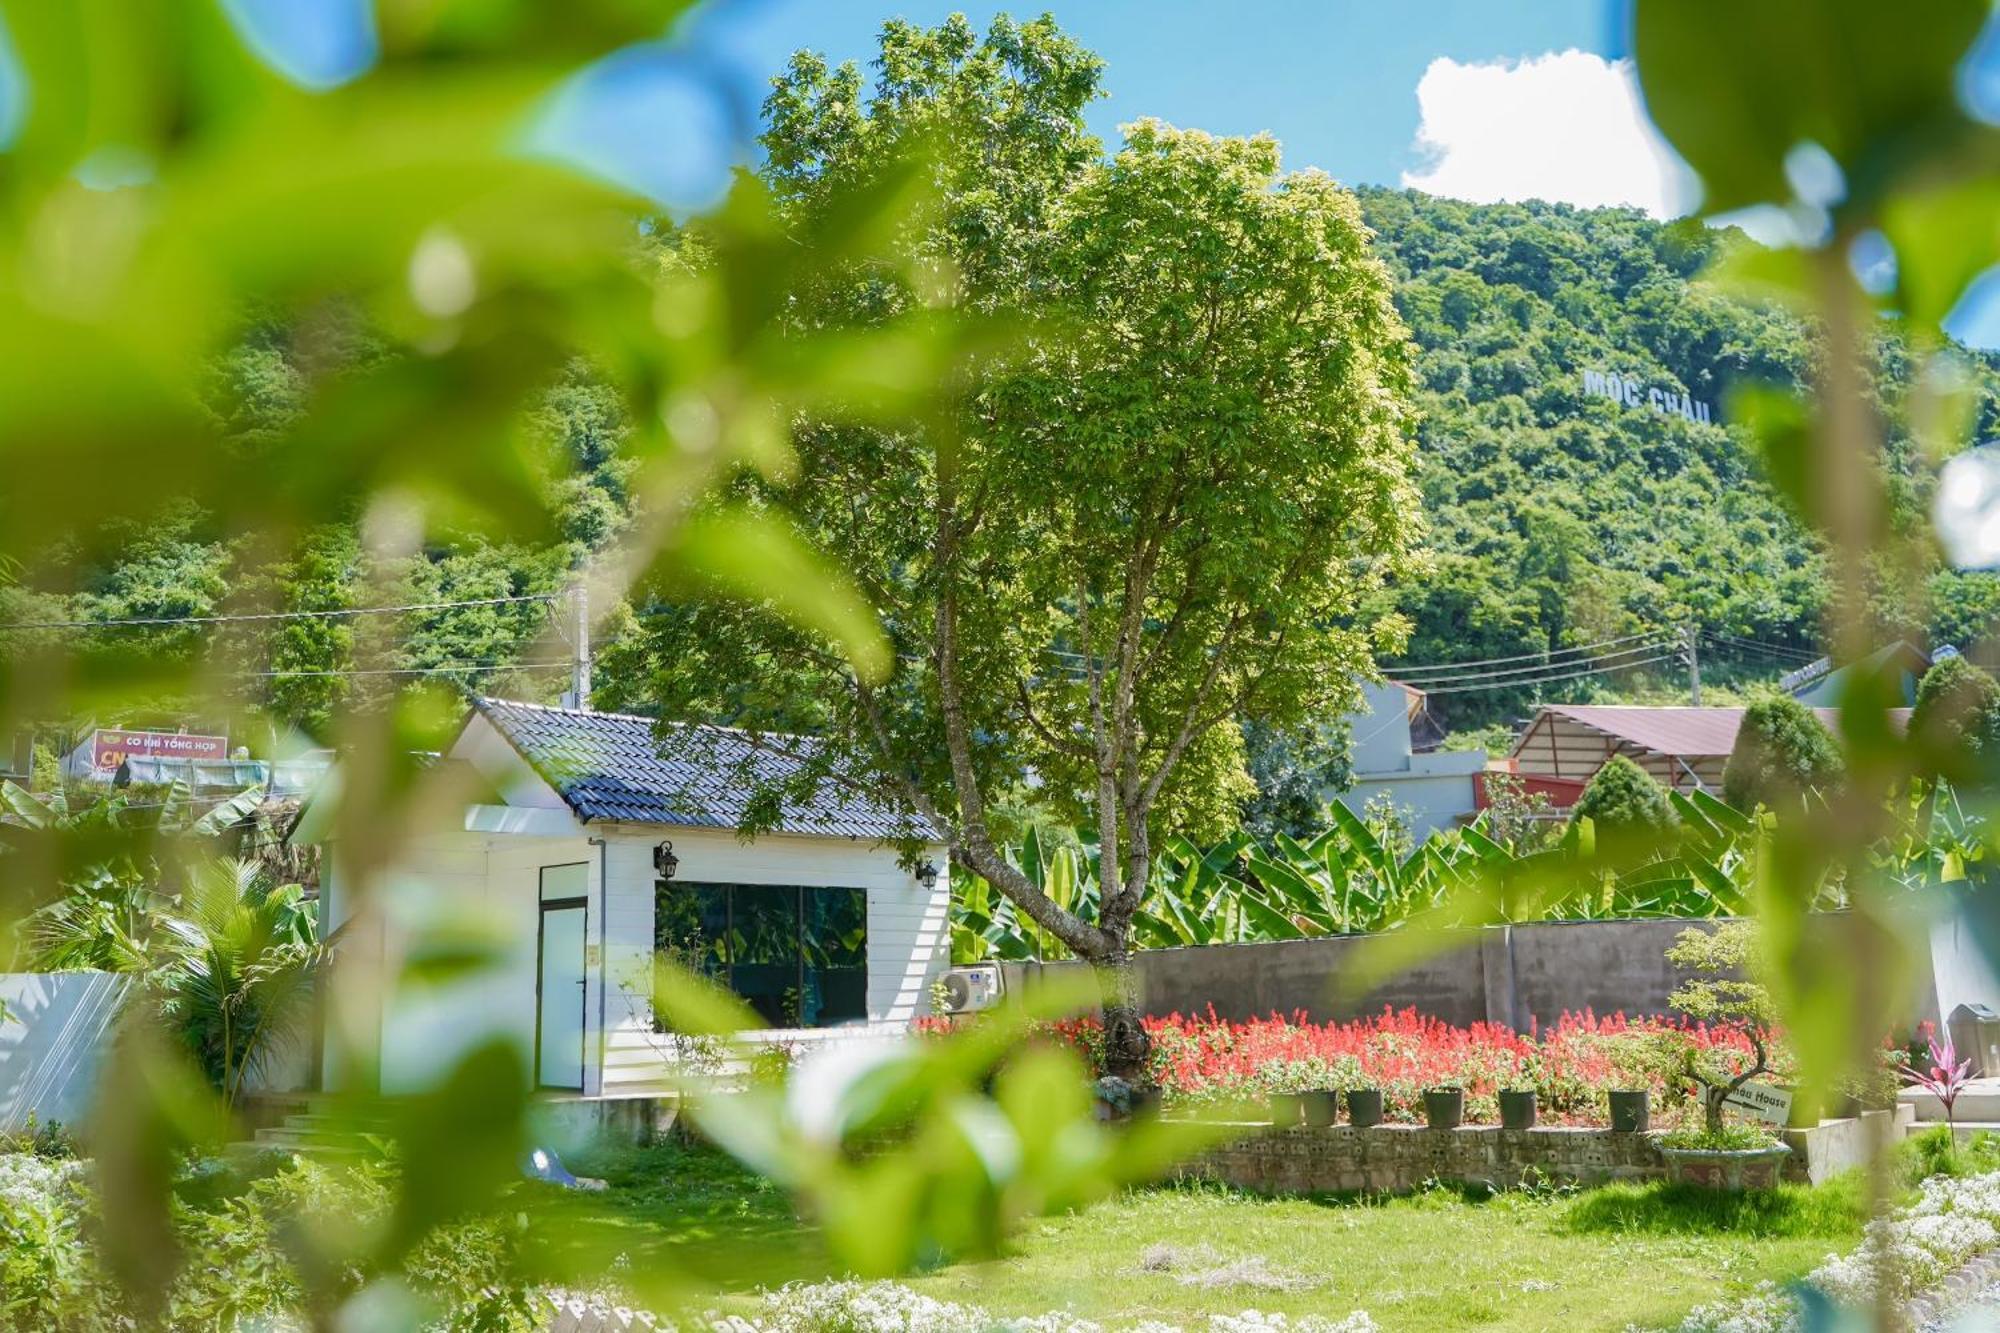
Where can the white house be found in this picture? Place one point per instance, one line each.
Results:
(816, 925)
(1435, 788)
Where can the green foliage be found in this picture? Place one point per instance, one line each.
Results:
(1782, 752)
(1624, 802)
(1723, 992)
(1727, 1138)
(1956, 721)
(1164, 512)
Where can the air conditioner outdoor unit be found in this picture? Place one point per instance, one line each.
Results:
(965, 990)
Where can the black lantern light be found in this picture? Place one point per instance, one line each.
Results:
(664, 860)
(927, 873)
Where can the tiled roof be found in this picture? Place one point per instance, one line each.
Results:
(619, 767)
(1687, 732)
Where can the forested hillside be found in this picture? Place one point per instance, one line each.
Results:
(1556, 516)
(1560, 517)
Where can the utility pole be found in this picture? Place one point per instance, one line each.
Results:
(580, 643)
(1691, 638)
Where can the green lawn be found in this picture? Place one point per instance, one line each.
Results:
(1599, 1259)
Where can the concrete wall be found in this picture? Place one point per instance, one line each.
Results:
(52, 1042)
(1511, 975)
(1336, 1158)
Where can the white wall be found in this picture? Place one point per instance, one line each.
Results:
(909, 935)
(482, 876)
(52, 1042)
(1435, 792)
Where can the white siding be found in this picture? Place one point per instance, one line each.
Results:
(909, 940)
(492, 867)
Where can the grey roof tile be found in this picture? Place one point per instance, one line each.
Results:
(615, 766)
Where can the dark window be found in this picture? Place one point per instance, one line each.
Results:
(797, 954)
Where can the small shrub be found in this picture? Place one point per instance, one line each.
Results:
(1956, 722)
(1623, 800)
(1782, 751)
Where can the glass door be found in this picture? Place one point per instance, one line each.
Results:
(559, 977)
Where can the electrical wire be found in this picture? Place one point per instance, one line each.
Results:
(449, 669)
(1518, 674)
(244, 617)
(1722, 640)
(1543, 658)
(1547, 680)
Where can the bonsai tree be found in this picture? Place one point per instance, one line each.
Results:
(1723, 996)
(1782, 751)
(1628, 810)
(1955, 725)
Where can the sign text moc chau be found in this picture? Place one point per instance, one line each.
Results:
(1628, 390)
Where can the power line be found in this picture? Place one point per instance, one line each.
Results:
(449, 669)
(1723, 640)
(1523, 675)
(282, 615)
(1549, 680)
(1542, 658)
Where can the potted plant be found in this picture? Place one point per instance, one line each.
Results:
(1631, 1110)
(1720, 1155)
(1444, 1108)
(1364, 1107)
(1322, 1106)
(1286, 1108)
(1517, 1108)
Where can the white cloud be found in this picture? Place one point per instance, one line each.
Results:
(1567, 126)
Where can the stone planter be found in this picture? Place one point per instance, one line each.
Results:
(1444, 1108)
(1631, 1112)
(1741, 1169)
(1286, 1108)
(1517, 1108)
(1364, 1107)
(1322, 1107)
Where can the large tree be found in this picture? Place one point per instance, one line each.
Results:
(1163, 510)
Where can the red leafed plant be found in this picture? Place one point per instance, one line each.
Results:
(1946, 1077)
(1571, 1064)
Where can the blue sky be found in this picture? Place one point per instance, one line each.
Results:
(1477, 99)
(1334, 80)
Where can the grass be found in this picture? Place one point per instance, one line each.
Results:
(1439, 1259)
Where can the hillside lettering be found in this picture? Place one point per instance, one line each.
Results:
(1632, 393)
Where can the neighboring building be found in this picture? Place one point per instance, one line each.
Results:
(1819, 683)
(816, 925)
(1394, 747)
(1683, 748)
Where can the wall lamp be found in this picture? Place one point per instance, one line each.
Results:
(664, 860)
(927, 873)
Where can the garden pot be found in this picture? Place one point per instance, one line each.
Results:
(1631, 1112)
(1364, 1107)
(1147, 1099)
(1285, 1108)
(1322, 1107)
(1717, 1169)
(1517, 1108)
(1444, 1108)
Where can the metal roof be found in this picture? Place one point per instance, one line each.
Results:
(616, 766)
(1686, 732)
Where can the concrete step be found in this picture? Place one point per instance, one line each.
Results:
(1979, 1102)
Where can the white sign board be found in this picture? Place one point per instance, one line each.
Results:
(1761, 1101)
(1628, 391)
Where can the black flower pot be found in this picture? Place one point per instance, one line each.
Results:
(1517, 1108)
(1364, 1107)
(1322, 1107)
(1631, 1112)
(1285, 1108)
(1444, 1108)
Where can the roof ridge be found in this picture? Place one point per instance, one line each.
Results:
(641, 717)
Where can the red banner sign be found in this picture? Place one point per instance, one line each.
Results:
(108, 749)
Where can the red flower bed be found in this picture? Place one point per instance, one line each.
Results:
(1570, 1065)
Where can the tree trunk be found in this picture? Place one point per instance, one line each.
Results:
(1127, 1048)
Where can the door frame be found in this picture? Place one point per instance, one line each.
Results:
(582, 990)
